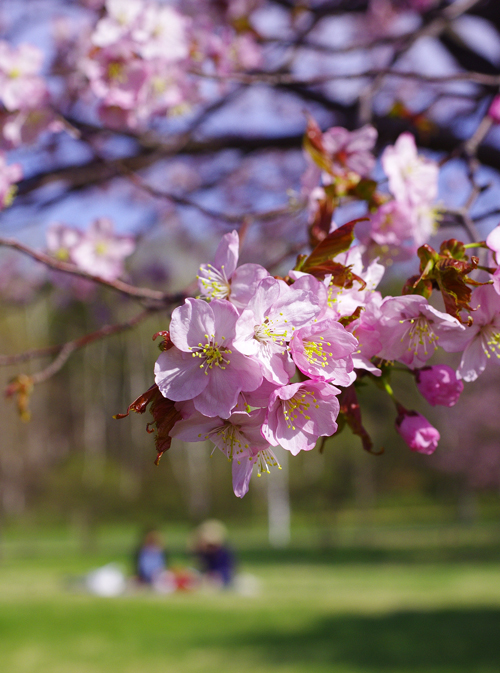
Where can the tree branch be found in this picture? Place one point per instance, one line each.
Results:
(118, 285)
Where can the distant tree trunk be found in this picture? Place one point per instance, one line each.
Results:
(364, 493)
(278, 504)
(467, 509)
(198, 456)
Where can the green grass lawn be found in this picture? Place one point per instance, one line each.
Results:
(335, 611)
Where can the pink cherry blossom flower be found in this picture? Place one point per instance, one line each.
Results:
(412, 178)
(101, 252)
(493, 242)
(9, 175)
(236, 436)
(204, 366)
(121, 16)
(258, 398)
(61, 241)
(390, 233)
(224, 279)
(417, 432)
(20, 86)
(351, 150)
(365, 329)
(24, 127)
(322, 350)
(266, 326)
(494, 111)
(439, 385)
(162, 34)
(411, 330)
(480, 342)
(243, 468)
(344, 301)
(300, 413)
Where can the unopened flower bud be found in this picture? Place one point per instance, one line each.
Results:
(417, 432)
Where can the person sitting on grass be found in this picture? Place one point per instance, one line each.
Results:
(214, 556)
(150, 559)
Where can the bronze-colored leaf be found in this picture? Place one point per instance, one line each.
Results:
(350, 409)
(336, 242)
(320, 226)
(164, 413)
(141, 403)
(166, 342)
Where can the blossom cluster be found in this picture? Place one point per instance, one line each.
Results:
(258, 361)
(342, 162)
(25, 109)
(98, 251)
(142, 55)
(9, 175)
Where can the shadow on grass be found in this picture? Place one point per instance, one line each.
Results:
(441, 641)
(371, 555)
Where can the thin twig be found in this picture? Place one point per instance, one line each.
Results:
(67, 349)
(65, 267)
(283, 79)
(30, 355)
(236, 218)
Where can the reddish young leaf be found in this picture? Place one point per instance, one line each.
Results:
(141, 403)
(166, 342)
(338, 241)
(313, 145)
(350, 409)
(320, 226)
(165, 415)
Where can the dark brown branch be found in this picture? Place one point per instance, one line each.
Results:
(275, 79)
(234, 218)
(65, 267)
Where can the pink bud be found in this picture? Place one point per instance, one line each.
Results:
(439, 385)
(417, 432)
(494, 111)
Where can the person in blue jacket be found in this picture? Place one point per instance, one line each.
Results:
(150, 558)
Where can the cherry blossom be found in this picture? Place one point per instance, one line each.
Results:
(61, 241)
(204, 366)
(493, 242)
(20, 86)
(300, 413)
(24, 96)
(344, 301)
(266, 326)
(351, 150)
(411, 330)
(479, 342)
(412, 178)
(243, 468)
(9, 175)
(224, 279)
(101, 252)
(238, 437)
(322, 350)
